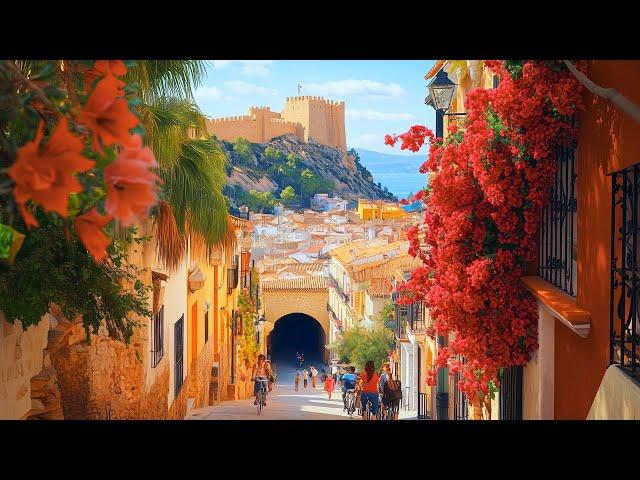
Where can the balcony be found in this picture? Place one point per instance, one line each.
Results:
(232, 276)
(336, 286)
(415, 317)
(334, 318)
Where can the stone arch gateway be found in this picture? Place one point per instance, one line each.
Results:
(307, 296)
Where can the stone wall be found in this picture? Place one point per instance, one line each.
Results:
(22, 357)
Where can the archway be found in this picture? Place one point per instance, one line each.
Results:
(297, 332)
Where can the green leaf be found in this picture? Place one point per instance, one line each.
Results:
(46, 71)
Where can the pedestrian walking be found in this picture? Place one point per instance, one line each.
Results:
(329, 385)
(334, 372)
(323, 376)
(305, 377)
(297, 380)
(314, 376)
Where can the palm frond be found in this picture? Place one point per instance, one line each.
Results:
(168, 123)
(193, 188)
(167, 78)
(170, 243)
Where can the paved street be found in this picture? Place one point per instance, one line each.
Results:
(284, 403)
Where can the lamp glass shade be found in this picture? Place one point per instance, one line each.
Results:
(442, 96)
(441, 90)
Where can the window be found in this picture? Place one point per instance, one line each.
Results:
(460, 404)
(206, 326)
(511, 394)
(178, 348)
(624, 312)
(157, 337)
(557, 258)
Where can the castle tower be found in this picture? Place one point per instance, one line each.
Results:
(322, 120)
(308, 118)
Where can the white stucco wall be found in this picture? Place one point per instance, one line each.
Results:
(538, 374)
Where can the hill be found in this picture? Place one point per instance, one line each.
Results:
(308, 168)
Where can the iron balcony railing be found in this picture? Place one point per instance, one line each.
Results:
(232, 276)
(336, 286)
(624, 312)
(556, 252)
(157, 327)
(460, 404)
(334, 317)
(400, 317)
(511, 394)
(415, 317)
(423, 412)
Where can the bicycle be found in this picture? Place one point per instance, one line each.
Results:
(262, 394)
(366, 412)
(351, 402)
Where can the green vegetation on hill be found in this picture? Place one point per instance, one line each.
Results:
(297, 170)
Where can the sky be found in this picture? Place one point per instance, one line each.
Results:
(381, 96)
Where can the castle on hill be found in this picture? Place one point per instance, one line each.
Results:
(308, 118)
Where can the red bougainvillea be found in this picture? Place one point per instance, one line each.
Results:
(491, 180)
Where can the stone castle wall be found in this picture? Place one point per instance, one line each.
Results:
(306, 117)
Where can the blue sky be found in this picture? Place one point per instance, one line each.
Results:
(381, 96)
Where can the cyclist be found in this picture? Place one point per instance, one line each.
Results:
(370, 389)
(348, 383)
(261, 374)
(391, 392)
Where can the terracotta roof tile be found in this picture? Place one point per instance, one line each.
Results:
(305, 284)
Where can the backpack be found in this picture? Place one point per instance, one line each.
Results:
(392, 394)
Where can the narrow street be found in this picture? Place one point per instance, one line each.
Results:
(284, 403)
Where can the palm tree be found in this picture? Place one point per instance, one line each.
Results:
(191, 165)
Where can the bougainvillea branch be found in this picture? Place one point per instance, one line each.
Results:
(490, 181)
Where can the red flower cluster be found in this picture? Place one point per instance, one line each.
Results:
(483, 209)
(44, 171)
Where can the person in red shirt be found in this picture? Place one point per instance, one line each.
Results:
(370, 389)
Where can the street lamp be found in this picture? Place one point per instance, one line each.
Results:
(441, 91)
(259, 323)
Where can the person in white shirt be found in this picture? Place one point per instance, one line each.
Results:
(334, 372)
(314, 376)
(305, 377)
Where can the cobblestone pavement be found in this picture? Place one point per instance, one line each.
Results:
(284, 403)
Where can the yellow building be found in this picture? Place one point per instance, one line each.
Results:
(372, 210)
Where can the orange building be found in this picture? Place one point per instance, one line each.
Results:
(576, 374)
(577, 294)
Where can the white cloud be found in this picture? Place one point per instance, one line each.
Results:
(258, 68)
(355, 87)
(255, 68)
(208, 93)
(212, 93)
(246, 88)
(369, 114)
(220, 64)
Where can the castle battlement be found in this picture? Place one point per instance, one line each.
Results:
(303, 116)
